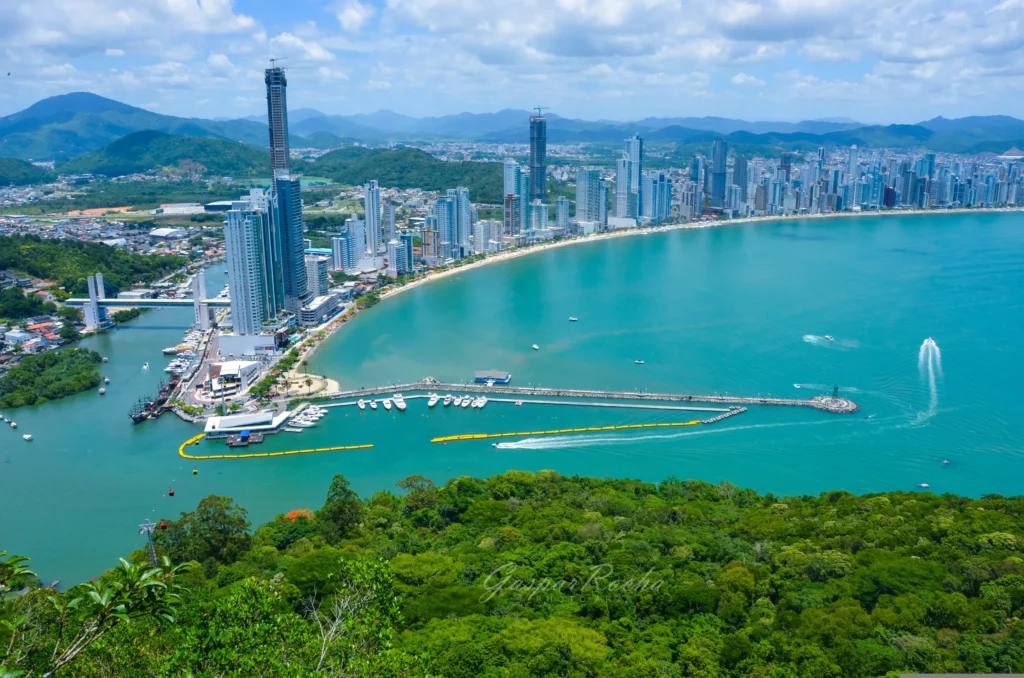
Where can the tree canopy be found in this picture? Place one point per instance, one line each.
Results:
(49, 376)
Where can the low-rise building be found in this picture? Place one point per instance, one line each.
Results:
(318, 310)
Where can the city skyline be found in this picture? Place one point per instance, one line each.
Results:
(787, 59)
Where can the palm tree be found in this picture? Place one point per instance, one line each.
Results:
(309, 384)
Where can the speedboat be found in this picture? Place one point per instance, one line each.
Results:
(447, 400)
(145, 366)
(924, 485)
(480, 402)
(458, 401)
(362, 404)
(639, 362)
(387, 404)
(945, 462)
(27, 436)
(14, 424)
(400, 404)
(103, 391)
(433, 400)
(106, 380)
(830, 337)
(301, 423)
(573, 319)
(536, 347)
(466, 401)
(519, 403)
(373, 404)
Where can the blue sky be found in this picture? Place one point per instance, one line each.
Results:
(870, 60)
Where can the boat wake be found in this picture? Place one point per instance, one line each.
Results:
(824, 342)
(605, 440)
(826, 387)
(929, 366)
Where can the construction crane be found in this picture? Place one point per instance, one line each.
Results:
(540, 109)
(273, 61)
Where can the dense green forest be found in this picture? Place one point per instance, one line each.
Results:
(68, 262)
(16, 305)
(144, 151)
(49, 376)
(410, 168)
(139, 195)
(20, 172)
(538, 574)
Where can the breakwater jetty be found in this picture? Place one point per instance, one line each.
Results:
(826, 403)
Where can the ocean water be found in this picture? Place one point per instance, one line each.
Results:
(739, 310)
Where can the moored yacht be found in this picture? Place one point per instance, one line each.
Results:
(457, 401)
(387, 404)
(362, 404)
(466, 401)
(447, 400)
(399, 402)
(373, 404)
(433, 400)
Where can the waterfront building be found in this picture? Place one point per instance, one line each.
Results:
(317, 281)
(513, 223)
(739, 175)
(538, 216)
(444, 213)
(524, 197)
(244, 247)
(277, 119)
(511, 176)
(371, 205)
(538, 157)
(625, 196)
(318, 310)
(463, 225)
(658, 191)
(389, 221)
(406, 240)
(343, 256)
(287, 212)
(851, 165)
(635, 153)
(591, 196)
(719, 157)
(562, 213)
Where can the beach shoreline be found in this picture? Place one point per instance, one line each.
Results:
(335, 325)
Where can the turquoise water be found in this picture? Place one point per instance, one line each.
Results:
(739, 310)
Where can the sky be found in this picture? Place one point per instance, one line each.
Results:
(869, 60)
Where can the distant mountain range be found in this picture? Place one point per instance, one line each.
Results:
(73, 125)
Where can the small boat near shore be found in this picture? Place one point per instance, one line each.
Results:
(573, 318)
(536, 347)
(362, 404)
(27, 437)
(639, 362)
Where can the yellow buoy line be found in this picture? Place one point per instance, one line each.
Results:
(589, 429)
(253, 455)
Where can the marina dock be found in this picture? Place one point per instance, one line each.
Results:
(826, 403)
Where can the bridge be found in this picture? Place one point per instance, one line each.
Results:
(96, 305)
(833, 403)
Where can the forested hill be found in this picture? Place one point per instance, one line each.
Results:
(151, 150)
(68, 262)
(541, 575)
(410, 168)
(19, 172)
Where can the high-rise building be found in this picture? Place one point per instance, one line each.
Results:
(277, 119)
(511, 176)
(739, 175)
(785, 166)
(406, 239)
(513, 224)
(371, 205)
(524, 198)
(538, 157)
(399, 259)
(463, 227)
(635, 153)
(851, 165)
(658, 192)
(389, 221)
(538, 216)
(444, 215)
(719, 157)
(317, 281)
(343, 256)
(625, 196)
(562, 213)
(291, 236)
(243, 245)
(588, 195)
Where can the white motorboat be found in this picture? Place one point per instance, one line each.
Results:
(573, 319)
(171, 350)
(483, 401)
(447, 400)
(433, 400)
(519, 403)
(639, 362)
(27, 436)
(830, 337)
(14, 424)
(400, 404)
(536, 347)
(362, 404)
(466, 401)
(387, 404)
(145, 366)
(373, 404)
(924, 485)
(103, 391)
(302, 423)
(106, 380)
(457, 401)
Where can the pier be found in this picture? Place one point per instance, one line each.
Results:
(826, 403)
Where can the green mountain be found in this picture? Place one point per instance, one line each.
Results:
(19, 172)
(69, 125)
(410, 168)
(143, 151)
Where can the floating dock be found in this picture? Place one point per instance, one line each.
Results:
(194, 440)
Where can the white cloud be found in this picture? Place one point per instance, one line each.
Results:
(744, 80)
(294, 47)
(353, 15)
(328, 73)
(112, 52)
